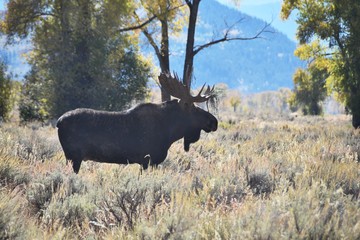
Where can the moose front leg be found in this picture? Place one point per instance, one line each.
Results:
(153, 159)
(146, 162)
(157, 158)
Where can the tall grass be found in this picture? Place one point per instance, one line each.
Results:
(252, 179)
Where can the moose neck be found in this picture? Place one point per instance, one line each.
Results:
(178, 121)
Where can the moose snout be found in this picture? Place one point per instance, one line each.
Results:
(211, 126)
(214, 125)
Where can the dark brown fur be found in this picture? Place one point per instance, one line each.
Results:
(140, 135)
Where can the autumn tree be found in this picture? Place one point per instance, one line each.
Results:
(336, 23)
(310, 88)
(233, 99)
(79, 58)
(169, 16)
(158, 20)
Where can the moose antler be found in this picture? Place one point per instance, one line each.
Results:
(175, 88)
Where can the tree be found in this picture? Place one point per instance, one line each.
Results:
(169, 18)
(334, 22)
(171, 13)
(79, 56)
(235, 102)
(234, 99)
(310, 89)
(192, 50)
(5, 93)
(32, 104)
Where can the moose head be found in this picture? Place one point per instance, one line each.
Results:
(195, 118)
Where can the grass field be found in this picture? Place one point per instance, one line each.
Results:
(255, 178)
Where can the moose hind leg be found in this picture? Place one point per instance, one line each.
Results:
(75, 156)
(76, 165)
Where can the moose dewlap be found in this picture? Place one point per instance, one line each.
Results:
(140, 135)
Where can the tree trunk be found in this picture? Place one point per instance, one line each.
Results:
(162, 52)
(356, 120)
(355, 108)
(189, 55)
(164, 55)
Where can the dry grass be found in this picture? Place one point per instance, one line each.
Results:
(252, 179)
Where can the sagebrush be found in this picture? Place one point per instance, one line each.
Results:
(252, 179)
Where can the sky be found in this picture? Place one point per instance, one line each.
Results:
(267, 10)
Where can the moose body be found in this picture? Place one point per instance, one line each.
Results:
(140, 135)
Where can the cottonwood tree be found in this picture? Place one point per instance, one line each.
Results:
(336, 23)
(81, 59)
(166, 17)
(171, 13)
(310, 83)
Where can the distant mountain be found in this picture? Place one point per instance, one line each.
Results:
(13, 58)
(268, 10)
(12, 55)
(251, 66)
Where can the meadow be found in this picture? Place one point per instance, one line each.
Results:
(254, 178)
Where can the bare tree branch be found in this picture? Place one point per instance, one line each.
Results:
(141, 25)
(148, 36)
(227, 38)
(152, 42)
(45, 14)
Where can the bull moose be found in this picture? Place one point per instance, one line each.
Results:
(140, 135)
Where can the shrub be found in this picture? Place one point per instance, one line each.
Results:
(260, 183)
(74, 211)
(132, 198)
(29, 144)
(42, 191)
(75, 185)
(34, 147)
(126, 204)
(11, 175)
(11, 219)
(256, 180)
